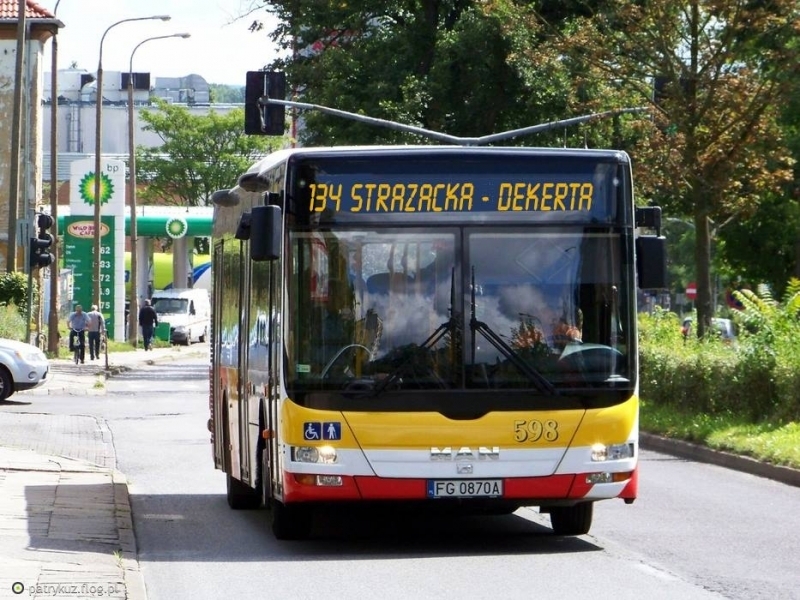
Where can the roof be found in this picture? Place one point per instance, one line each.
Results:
(9, 10)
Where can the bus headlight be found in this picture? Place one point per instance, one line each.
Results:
(313, 454)
(602, 453)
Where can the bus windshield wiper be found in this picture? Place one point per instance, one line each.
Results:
(448, 326)
(537, 379)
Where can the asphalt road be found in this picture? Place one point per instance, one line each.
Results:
(697, 530)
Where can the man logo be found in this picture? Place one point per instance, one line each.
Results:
(465, 453)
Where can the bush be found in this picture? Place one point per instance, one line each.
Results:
(14, 290)
(757, 379)
(12, 322)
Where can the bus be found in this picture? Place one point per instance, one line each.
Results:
(449, 327)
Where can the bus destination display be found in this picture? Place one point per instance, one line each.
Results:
(449, 196)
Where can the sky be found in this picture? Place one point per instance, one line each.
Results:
(220, 49)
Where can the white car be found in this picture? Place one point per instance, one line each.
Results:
(22, 367)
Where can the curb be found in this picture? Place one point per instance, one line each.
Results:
(129, 553)
(719, 458)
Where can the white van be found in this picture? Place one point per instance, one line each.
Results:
(188, 312)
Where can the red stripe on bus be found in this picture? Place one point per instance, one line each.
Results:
(632, 488)
(379, 488)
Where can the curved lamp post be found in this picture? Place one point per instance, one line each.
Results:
(98, 151)
(133, 325)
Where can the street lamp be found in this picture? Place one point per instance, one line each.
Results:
(98, 151)
(52, 317)
(133, 326)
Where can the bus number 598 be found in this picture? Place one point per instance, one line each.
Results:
(534, 431)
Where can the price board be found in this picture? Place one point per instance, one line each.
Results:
(79, 254)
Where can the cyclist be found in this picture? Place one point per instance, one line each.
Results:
(78, 323)
(97, 326)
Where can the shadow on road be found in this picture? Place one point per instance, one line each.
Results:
(203, 528)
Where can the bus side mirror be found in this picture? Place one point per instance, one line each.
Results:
(265, 233)
(651, 262)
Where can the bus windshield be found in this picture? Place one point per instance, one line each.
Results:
(459, 308)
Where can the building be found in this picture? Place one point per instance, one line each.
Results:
(77, 95)
(20, 98)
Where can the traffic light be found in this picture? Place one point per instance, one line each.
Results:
(269, 119)
(40, 245)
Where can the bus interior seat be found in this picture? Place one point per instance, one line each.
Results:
(384, 283)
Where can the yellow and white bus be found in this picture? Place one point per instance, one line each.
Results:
(453, 326)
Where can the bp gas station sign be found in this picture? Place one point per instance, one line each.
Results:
(79, 247)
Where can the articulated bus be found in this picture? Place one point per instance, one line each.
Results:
(448, 326)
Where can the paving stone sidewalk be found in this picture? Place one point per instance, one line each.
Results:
(65, 529)
(65, 519)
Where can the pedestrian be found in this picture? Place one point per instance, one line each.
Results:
(97, 325)
(78, 322)
(148, 319)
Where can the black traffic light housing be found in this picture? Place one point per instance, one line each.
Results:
(40, 255)
(264, 119)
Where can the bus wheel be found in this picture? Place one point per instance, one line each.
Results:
(572, 520)
(241, 496)
(290, 522)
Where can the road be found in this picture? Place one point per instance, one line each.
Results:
(697, 531)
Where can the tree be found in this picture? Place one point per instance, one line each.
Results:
(714, 73)
(200, 154)
(722, 70)
(461, 67)
(762, 248)
(226, 94)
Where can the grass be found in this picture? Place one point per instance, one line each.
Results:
(776, 443)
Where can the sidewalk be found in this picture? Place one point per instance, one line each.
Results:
(65, 523)
(66, 377)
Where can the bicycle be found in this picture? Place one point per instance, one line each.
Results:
(78, 344)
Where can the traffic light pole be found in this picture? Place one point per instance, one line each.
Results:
(37, 256)
(29, 303)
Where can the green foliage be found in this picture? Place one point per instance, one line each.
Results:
(463, 68)
(12, 322)
(14, 290)
(762, 245)
(756, 379)
(226, 94)
(200, 154)
(773, 441)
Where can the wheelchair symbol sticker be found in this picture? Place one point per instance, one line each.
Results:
(312, 431)
(316, 431)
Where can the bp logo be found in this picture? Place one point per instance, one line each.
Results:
(87, 188)
(176, 227)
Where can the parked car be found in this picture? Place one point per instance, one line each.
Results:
(724, 328)
(22, 367)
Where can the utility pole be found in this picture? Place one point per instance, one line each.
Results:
(16, 126)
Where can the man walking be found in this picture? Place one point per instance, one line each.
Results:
(97, 325)
(148, 319)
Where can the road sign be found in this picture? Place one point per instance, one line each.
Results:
(691, 291)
